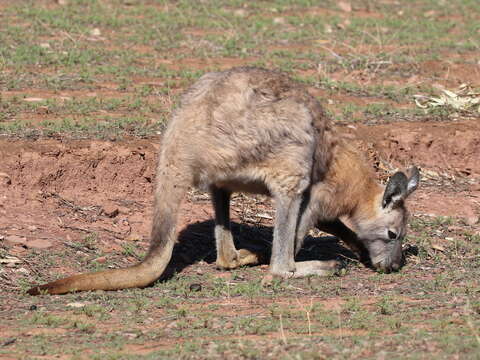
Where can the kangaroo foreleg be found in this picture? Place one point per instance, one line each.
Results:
(228, 257)
(287, 238)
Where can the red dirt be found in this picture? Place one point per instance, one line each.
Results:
(60, 187)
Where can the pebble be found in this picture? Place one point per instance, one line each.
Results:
(471, 220)
(195, 287)
(33, 99)
(10, 260)
(240, 13)
(95, 32)
(5, 179)
(23, 271)
(39, 244)
(134, 237)
(42, 110)
(110, 210)
(76, 305)
(267, 280)
(101, 260)
(15, 240)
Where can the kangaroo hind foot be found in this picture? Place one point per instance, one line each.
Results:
(310, 268)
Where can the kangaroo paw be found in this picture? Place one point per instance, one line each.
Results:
(240, 258)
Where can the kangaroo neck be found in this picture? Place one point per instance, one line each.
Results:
(348, 185)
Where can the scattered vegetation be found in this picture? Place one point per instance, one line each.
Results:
(114, 69)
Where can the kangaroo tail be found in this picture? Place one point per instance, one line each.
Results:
(171, 188)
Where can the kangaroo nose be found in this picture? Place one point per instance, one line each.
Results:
(395, 266)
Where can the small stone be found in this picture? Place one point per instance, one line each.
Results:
(10, 260)
(471, 220)
(267, 280)
(195, 287)
(101, 260)
(39, 244)
(240, 13)
(95, 32)
(5, 179)
(76, 305)
(172, 325)
(345, 6)
(33, 99)
(23, 271)
(45, 45)
(123, 210)
(279, 20)
(32, 228)
(110, 210)
(134, 237)
(42, 110)
(16, 240)
(33, 307)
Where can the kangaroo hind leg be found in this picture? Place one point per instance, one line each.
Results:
(228, 257)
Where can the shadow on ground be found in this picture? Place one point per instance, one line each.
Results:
(196, 243)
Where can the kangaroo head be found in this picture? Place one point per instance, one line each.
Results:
(382, 227)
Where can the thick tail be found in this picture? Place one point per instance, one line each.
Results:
(168, 197)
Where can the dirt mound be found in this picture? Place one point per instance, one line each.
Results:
(453, 148)
(101, 168)
(127, 168)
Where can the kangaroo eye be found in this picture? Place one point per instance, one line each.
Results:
(392, 235)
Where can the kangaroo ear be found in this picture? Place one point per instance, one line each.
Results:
(396, 189)
(413, 179)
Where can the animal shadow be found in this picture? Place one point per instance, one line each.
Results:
(196, 242)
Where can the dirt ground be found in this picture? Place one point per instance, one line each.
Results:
(69, 204)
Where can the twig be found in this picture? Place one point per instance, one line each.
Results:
(307, 312)
(469, 321)
(75, 228)
(349, 258)
(282, 332)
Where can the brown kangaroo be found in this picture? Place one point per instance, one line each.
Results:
(254, 130)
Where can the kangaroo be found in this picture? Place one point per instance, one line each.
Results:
(258, 131)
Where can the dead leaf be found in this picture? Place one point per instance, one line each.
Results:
(465, 99)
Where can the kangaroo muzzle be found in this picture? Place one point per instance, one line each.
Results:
(390, 258)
